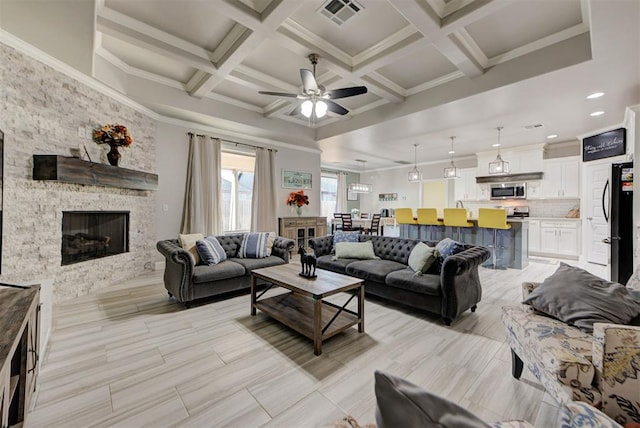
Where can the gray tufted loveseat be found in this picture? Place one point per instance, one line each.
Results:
(187, 282)
(454, 290)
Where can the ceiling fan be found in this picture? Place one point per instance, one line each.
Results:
(317, 100)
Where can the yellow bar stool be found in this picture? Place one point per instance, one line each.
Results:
(496, 219)
(429, 217)
(404, 216)
(456, 217)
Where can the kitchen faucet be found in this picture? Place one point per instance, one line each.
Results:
(459, 204)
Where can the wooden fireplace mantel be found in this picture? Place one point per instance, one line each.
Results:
(75, 170)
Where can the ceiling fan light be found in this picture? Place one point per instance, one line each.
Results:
(321, 109)
(306, 108)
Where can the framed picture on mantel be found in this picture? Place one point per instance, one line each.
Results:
(605, 145)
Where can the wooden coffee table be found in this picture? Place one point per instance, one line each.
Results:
(304, 308)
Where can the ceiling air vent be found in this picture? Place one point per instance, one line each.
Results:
(402, 162)
(534, 126)
(339, 11)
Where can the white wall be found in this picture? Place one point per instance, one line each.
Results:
(62, 28)
(395, 181)
(171, 157)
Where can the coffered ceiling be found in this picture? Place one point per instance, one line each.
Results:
(433, 68)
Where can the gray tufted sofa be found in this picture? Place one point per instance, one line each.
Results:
(453, 291)
(187, 282)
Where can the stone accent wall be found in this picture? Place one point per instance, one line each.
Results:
(40, 112)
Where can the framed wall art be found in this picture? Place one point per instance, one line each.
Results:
(296, 180)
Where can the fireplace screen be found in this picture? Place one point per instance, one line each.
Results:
(88, 235)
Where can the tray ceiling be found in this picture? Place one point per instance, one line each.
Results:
(414, 56)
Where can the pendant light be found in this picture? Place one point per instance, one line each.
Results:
(360, 187)
(498, 166)
(414, 174)
(452, 171)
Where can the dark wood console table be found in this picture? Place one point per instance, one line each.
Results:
(19, 351)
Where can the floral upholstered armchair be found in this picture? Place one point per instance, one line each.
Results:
(601, 369)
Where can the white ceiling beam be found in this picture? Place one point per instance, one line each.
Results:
(254, 79)
(276, 108)
(427, 21)
(275, 14)
(139, 34)
(301, 41)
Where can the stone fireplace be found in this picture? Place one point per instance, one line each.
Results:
(88, 235)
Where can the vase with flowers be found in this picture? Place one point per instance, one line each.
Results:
(298, 200)
(115, 136)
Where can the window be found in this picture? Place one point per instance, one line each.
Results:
(237, 191)
(328, 194)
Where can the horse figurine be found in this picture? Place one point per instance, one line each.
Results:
(308, 262)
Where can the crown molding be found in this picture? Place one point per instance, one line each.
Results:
(223, 134)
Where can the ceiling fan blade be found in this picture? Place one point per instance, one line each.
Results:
(279, 94)
(335, 107)
(308, 80)
(346, 92)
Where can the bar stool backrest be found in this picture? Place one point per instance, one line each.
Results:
(493, 218)
(428, 216)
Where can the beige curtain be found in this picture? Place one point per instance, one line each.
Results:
(203, 196)
(263, 204)
(341, 194)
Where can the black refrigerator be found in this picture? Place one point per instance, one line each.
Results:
(621, 221)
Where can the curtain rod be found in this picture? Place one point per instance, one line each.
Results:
(234, 142)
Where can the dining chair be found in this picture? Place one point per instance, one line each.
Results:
(375, 226)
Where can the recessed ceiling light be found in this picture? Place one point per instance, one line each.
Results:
(595, 95)
(597, 113)
(495, 145)
(451, 152)
(552, 136)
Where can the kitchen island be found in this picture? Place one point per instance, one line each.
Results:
(515, 241)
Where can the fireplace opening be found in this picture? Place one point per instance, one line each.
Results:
(88, 235)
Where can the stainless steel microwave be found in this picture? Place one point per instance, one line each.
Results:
(509, 191)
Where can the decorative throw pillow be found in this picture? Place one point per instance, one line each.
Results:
(421, 258)
(254, 245)
(403, 404)
(448, 247)
(188, 242)
(354, 250)
(580, 298)
(270, 241)
(340, 236)
(210, 250)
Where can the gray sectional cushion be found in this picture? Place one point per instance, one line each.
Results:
(373, 270)
(223, 270)
(407, 280)
(251, 264)
(338, 266)
(231, 243)
(388, 248)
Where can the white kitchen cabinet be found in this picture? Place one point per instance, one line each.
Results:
(534, 189)
(484, 191)
(555, 237)
(534, 235)
(561, 178)
(466, 187)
